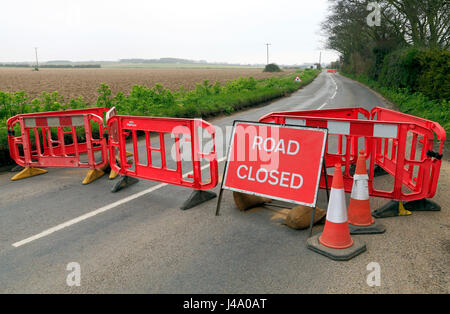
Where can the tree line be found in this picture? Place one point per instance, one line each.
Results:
(398, 43)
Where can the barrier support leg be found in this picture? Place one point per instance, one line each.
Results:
(28, 172)
(422, 205)
(92, 175)
(17, 168)
(123, 182)
(377, 171)
(113, 175)
(391, 209)
(196, 198)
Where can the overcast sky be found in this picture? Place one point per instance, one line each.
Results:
(233, 31)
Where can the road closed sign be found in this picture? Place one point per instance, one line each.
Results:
(281, 162)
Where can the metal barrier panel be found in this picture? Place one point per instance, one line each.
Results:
(345, 124)
(121, 127)
(37, 147)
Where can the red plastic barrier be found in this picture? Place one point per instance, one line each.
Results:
(412, 157)
(36, 147)
(120, 127)
(331, 71)
(417, 172)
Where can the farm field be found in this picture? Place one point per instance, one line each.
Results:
(72, 83)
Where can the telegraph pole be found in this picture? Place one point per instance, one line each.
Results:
(267, 52)
(37, 62)
(320, 60)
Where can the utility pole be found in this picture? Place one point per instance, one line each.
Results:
(37, 62)
(320, 60)
(267, 52)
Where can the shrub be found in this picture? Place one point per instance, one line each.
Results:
(272, 67)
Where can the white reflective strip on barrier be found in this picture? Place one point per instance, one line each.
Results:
(360, 190)
(78, 121)
(385, 130)
(30, 123)
(301, 122)
(337, 210)
(53, 121)
(338, 127)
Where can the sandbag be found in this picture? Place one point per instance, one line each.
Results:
(299, 217)
(246, 201)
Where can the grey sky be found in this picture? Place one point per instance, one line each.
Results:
(232, 31)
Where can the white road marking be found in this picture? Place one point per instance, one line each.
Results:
(98, 211)
(334, 94)
(322, 106)
(335, 89)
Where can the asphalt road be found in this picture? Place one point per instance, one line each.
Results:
(139, 241)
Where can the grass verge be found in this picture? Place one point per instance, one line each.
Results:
(415, 104)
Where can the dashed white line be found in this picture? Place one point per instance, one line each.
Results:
(97, 211)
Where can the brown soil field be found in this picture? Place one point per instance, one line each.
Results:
(72, 83)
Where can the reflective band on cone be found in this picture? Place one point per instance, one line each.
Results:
(336, 234)
(359, 213)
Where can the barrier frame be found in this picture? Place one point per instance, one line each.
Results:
(117, 125)
(345, 123)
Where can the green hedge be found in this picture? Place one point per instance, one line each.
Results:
(416, 104)
(205, 100)
(418, 70)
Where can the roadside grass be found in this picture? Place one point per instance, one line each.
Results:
(415, 104)
(205, 100)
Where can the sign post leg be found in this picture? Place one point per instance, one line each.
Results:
(219, 200)
(328, 197)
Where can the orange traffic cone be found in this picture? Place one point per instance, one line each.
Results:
(359, 214)
(335, 241)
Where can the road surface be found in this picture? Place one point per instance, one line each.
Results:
(139, 241)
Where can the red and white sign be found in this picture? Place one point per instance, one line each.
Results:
(297, 79)
(276, 161)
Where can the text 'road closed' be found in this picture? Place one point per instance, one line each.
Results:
(275, 161)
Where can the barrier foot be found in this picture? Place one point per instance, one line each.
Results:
(378, 171)
(113, 175)
(92, 175)
(196, 198)
(374, 228)
(422, 205)
(17, 168)
(123, 182)
(357, 248)
(391, 209)
(28, 172)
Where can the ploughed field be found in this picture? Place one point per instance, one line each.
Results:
(72, 83)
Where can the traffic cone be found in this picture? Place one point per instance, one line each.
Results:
(335, 241)
(360, 219)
